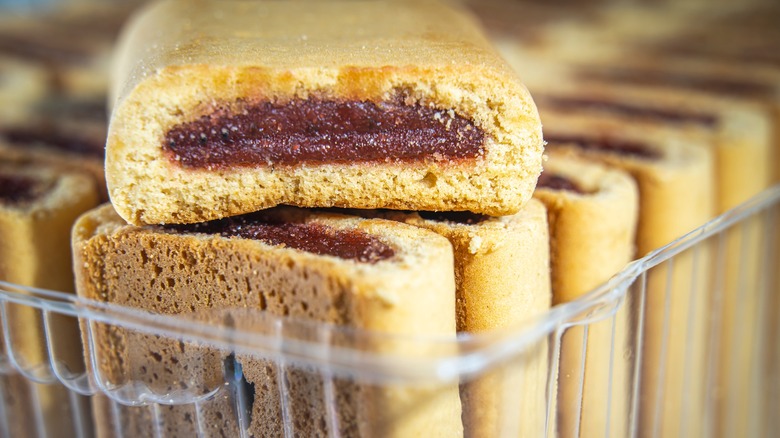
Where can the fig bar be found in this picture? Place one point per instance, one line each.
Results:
(739, 134)
(502, 279)
(364, 274)
(74, 145)
(234, 106)
(675, 180)
(38, 205)
(592, 211)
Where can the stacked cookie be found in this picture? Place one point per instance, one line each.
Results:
(223, 112)
(234, 126)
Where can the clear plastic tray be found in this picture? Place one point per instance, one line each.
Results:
(682, 342)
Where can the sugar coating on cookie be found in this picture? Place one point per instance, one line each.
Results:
(232, 107)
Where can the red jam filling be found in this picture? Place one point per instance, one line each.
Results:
(555, 181)
(609, 145)
(17, 189)
(459, 217)
(311, 237)
(628, 109)
(317, 131)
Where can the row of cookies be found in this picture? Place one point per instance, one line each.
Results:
(521, 238)
(53, 85)
(472, 252)
(624, 78)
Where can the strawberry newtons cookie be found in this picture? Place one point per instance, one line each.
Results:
(223, 108)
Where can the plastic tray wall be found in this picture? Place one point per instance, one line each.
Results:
(681, 343)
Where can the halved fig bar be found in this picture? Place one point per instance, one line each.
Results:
(370, 275)
(236, 106)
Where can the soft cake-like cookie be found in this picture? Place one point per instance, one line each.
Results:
(228, 107)
(502, 277)
(592, 211)
(38, 205)
(739, 134)
(676, 195)
(61, 137)
(366, 274)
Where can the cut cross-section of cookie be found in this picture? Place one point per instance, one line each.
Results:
(371, 275)
(237, 106)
